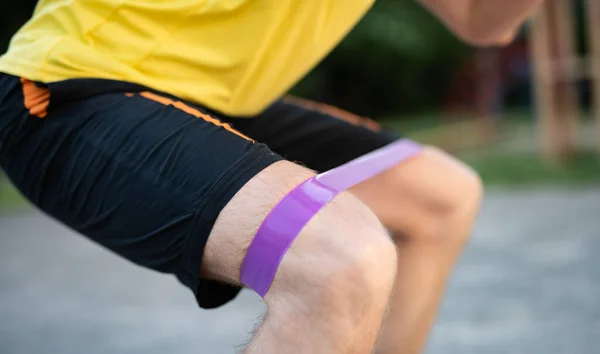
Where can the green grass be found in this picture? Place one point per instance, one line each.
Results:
(527, 169)
(10, 198)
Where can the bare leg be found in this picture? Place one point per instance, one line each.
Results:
(429, 203)
(334, 284)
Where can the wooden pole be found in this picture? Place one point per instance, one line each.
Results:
(593, 36)
(488, 90)
(552, 44)
(542, 80)
(567, 94)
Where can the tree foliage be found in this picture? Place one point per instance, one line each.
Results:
(398, 58)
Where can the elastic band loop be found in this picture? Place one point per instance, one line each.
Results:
(285, 221)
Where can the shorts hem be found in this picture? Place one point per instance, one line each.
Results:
(211, 294)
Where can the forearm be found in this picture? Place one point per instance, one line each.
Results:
(484, 22)
(493, 20)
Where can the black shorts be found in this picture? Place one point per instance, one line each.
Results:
(145, 174)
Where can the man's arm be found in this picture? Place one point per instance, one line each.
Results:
(484, 22)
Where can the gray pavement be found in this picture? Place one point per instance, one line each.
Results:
(528, 283)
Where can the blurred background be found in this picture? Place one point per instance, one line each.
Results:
(525, 116)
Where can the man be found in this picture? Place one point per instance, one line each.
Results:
(155, 128)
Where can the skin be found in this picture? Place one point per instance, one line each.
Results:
(333, 286)
(428, 204)
(343, 287)
(421, 192)
(484, 22)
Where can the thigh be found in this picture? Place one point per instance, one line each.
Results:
(413, 198)
(313, 134)
(142, 174)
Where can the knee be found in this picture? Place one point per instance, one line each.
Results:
(343, 262)
(465, 183)
(455, 211)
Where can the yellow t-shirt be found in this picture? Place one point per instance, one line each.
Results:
(234, 56)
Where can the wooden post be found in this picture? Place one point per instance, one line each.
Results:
(552, 46)
(593, 36)
(488, 90)
(569, 66)
(542, 80)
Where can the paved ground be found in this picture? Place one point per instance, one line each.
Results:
(529, 283)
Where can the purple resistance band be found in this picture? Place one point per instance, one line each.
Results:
(285, 221)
